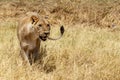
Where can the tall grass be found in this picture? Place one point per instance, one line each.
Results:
(102, 13)
(83, 53)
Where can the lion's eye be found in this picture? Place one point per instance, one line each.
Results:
(40, 25)
(48, 25)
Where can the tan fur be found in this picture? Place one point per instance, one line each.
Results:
(30, 31)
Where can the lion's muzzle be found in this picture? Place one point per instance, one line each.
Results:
(44, 36)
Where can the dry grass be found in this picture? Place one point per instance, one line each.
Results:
(102, 13)
(84, 53)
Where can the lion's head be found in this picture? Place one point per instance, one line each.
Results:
(42, 27)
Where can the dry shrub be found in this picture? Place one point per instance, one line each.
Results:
(112, 18)
(92, 12)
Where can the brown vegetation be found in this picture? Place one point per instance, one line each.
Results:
(103, 13)
(87, 51)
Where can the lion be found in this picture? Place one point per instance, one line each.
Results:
(31, 30)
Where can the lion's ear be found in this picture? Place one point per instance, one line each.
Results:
(34, 19)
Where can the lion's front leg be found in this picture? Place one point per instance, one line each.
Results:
(36, 51)
(29, 55)
(35, 55)
(24, 56)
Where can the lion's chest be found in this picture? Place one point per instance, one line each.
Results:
(31, 44)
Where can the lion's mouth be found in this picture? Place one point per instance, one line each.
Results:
(44, 38)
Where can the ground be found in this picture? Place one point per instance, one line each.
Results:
(85, 52)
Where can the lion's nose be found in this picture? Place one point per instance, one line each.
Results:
(47, 32)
